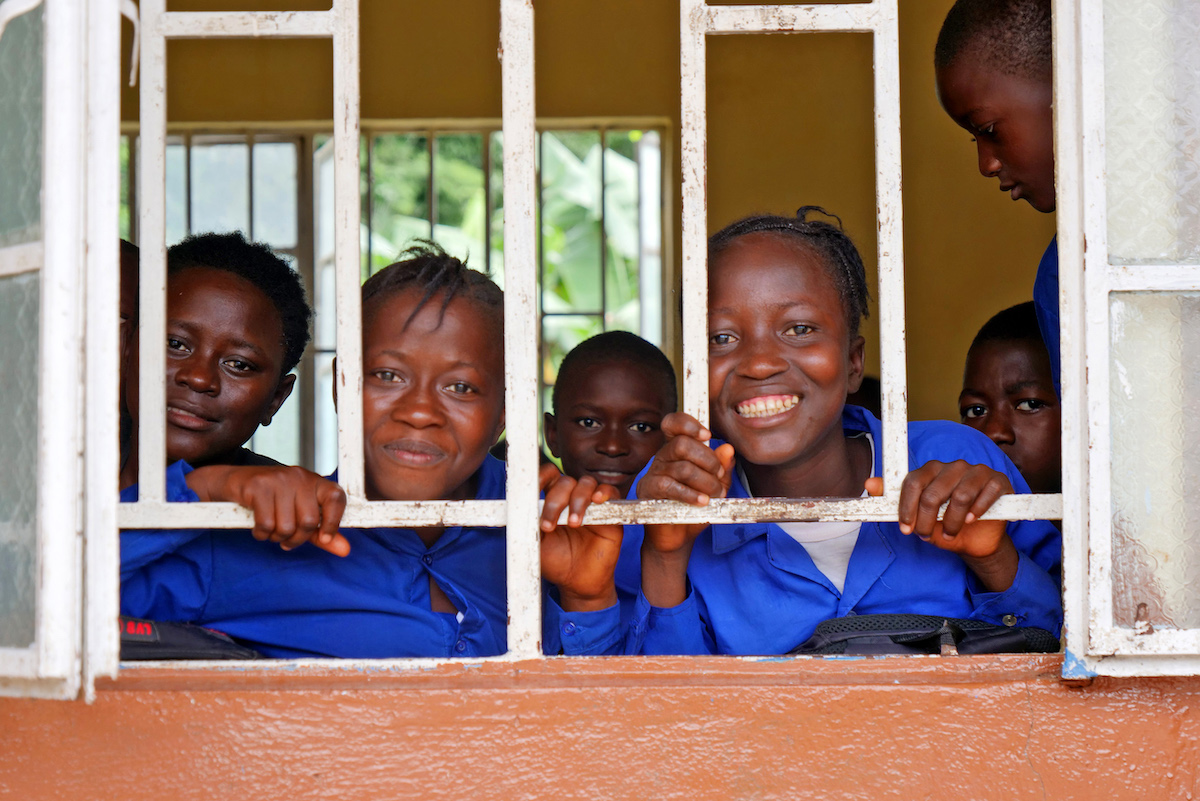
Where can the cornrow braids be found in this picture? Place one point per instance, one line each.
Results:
(830, 242)
(427, 267)
(1012, 36)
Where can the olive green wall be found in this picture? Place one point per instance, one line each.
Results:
(790, 125)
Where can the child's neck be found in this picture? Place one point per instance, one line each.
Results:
(839, 471)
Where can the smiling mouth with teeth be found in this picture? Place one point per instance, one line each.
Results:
(766, 406)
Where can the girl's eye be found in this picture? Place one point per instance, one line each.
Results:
(643, 428)
(387, 376)
(461, 388)
(587, 422)
(1030, 405)
(239, 366)
(175, 344)
(799, 330)
(720, 339)
(973, 412)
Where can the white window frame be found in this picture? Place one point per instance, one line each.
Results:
(1088, 279)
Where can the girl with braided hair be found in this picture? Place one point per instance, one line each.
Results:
(786, 295)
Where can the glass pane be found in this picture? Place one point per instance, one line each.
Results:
(622, 233)
(323, 192)
(176, 192)
(561, 333)
(124, 214)
(21, 130)
(19, 316)
(1152, 109)
(324, 416)
(399, 195)
(275, 215)
(460, 208)
(496, 221)
(570, 213)
(220, 188)
(1155, 394)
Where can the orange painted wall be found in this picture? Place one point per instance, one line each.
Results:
(896, 728)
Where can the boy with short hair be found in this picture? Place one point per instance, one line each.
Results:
(994, 64)
(611, 395)
(1008, 394)
(237, 324)
(433, 404)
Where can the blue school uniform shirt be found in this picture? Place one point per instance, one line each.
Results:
(755, 590)
(1045, 305)
(373, 603)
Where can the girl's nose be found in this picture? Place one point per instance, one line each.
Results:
(989, 165)
(418, 408)
(613, 442)
(197, 374)
(760, 360)
(999, 428)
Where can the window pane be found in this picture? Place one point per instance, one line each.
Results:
(275, 193)
(124, 214)
(1155, 393)
(19, 316)
(281, 439)
(460, 209)
(1152, 108)
(562, 333)
(220, 187)
(496, 221)
(570, 204)
(325, 416)
(399, 195)
(176, 196)
(622, 238)
(21, 130)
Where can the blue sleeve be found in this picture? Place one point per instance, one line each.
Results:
(581, 633)
(1045, 305)
(1033, 600)
(677, 630)
(165, 575)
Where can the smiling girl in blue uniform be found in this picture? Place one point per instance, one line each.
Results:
(433, 403)
(785, 299)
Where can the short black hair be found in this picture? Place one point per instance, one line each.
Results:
(616, 346)
(1012, 36)
(1016, 323)
(829, 241)
(258, 264)
(425, 266)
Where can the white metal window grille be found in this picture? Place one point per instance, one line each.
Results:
(1127, 131)
(56, 224)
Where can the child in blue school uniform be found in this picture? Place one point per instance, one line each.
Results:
(1008, 394)
(433, 403)
(995, 73)
(237, 324)
(785, 299)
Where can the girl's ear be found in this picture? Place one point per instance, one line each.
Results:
(857, 355)
(281, 394)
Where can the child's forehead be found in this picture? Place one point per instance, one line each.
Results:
(606, 378)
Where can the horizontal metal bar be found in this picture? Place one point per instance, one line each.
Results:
(1154, 277)
(244, 25)
(413, 514)
(415, 125)
(19, 259)
(862, 17)
(1160, 642)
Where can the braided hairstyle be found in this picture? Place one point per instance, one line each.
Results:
(837, 252)
(427, 267)
(1011, 36)
(258, 264)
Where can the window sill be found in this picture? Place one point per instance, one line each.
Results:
(581, 672)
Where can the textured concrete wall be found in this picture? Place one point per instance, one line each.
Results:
(895, 728)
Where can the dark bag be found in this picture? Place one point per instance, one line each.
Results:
(150, 639)
(922, 634)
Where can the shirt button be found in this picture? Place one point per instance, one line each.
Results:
(569, 629)
(460, 646)
(427, 559)
(1009, 620)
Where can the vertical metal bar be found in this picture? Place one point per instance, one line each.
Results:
(520, 339)
(347, 212)
(102, 354)
(152, 448)
(60, 331)
(693, 160)
(889, 203)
